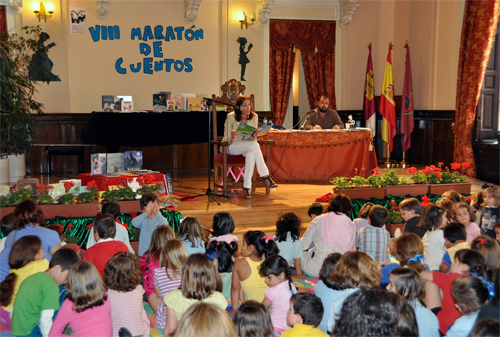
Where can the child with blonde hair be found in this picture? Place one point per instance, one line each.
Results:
(25, 259)
(151, 258)
(86, 308)
(122, 277)
(205, 320)
(167, 277)
(191, 236)
(200, 282)
(465, 215)
(491, 210)
(256, 247)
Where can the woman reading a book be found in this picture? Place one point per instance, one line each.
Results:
(245, 144)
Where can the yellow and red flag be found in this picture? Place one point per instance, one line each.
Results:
(369, 99)
(387, 106)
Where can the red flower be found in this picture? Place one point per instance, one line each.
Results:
(394, 208)
(89, 226)
(376, 173)
(440, 164)
(91, 184)
(411, 170)
(455, 166)
(50, 187)
(438, 174)
(69, 184)
(60, 226)
(70, 225)
(376, 169)
(38, 186)
(465, 164)
(468, 199)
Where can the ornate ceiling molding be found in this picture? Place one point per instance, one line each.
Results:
(102, 9)
(191, 8)
(264, 9)
(347, 9)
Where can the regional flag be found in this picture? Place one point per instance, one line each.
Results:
(407, 122)
(369, 99)
(387, 106)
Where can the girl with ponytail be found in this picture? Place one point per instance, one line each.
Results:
(277, 275)
(256, 247)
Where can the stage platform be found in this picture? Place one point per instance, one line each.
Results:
(258, 213)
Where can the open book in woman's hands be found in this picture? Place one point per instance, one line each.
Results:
(249, 130)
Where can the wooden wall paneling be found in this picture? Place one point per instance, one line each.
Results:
(487, 162)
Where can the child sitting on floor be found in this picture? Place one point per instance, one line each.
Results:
(106, 246)
(148, 221)
(465, 215)
(252, 319)
(191, 236)
(410, 211)
(454, 240)
(38, 296)
(490, 211)
(373, 239)
(223, 253)
(433, 219)
(288, 240)
(223, 227)
(362, 219)
(304, 315)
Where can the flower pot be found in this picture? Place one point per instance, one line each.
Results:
(135, 246)
(362, 192)
(391, 227)
(439, 189)
(6, 210)
(130, 206)
(402, 190)
(4, 171)
(69, 211)
(17, 167)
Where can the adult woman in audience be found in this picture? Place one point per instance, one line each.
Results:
(332, 232)
(246, 146)
(28, 218)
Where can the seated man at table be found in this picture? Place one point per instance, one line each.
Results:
(323, 118)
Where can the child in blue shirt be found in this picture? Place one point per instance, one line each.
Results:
(148, 221)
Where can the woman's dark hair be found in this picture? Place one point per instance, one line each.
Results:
(487, 327)
(469, 293)
(252, 319)
(225, 254)
(288, 222)
(222, 224)
(239, 102)
(23, 252)
(365, 209)
(375, 312)
(328, 266)
(340, 204)
(266, 247)
(431, 217)
(26, 213)
(6, 225)
(275, 265)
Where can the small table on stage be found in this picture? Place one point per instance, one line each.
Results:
(320, 156)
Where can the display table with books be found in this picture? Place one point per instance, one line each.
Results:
(103, 181)
(320, 156)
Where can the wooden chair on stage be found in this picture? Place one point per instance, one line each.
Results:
(225, 164)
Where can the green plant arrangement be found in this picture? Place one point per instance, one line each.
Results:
(341, 182)
(395, 216)
(17, 121)
(358, 181)
(123, 192)
(16, 197)
(390, 178)
(5, 202)
(376, 180)
(147, 185)
(92, 194)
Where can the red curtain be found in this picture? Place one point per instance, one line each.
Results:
(478, 33)
(3, 23)
(316, 41)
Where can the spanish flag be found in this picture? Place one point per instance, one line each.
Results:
(387, 106)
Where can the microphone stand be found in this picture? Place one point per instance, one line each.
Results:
(209, 193)
(304, 119)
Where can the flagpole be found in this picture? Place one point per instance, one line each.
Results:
(403, 163)
(388, 161)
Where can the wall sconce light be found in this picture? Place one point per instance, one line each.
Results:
(41, 12)
(242, 18)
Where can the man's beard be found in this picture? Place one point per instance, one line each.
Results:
(323, 109)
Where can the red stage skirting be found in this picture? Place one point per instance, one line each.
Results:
(101, 186)
(311, 156)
